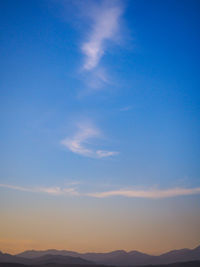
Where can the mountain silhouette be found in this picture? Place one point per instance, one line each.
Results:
(4, 257)
(181, 255)
(30, 254)
(119, 257)
(44, 259)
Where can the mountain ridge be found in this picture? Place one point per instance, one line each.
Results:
(52, 251)
(122, 257)
(44, 259)
(113, 258)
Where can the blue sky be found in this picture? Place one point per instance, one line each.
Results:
(100, 98)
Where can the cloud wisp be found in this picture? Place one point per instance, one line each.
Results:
(154, 194)
(105, 27)
(48, 190)
(147, 194)
(79, 141)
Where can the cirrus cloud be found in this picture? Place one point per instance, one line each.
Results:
(106, 18)
(79, 141)
(130, 193)
(48, 190)
(165, 193)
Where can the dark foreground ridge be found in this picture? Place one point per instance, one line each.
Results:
(178, 264)
(182, 257)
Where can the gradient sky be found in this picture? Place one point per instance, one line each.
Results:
(100, 124)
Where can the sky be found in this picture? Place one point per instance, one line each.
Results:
(100, 124)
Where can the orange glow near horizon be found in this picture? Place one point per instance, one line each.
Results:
(100, 226)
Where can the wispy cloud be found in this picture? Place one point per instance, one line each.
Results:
(79, 141)
(97, 78)
(148, 193)
(106, 17)
(48, 190)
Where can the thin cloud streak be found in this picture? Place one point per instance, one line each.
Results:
(149, 194)
(155, 194)
(77, 143)
(48, 190)
(105, 27)
(97, 78)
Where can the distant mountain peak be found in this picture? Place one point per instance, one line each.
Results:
(120, 251)
(135, 252)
